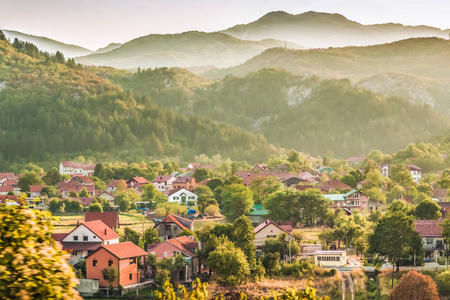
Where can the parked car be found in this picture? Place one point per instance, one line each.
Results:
(333, 247)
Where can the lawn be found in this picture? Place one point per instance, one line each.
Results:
(311, 234)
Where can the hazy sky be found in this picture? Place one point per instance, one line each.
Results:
(96, 23)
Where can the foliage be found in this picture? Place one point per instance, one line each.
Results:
(67, 205)
(28, 179)
(271, 262)
(95, 207)
(187, 232)
(125, 198)
(32, 265)
(428, 210)
(131, 235)
(414, 285)
(52, 177)
(205, 197)
(237, 201)
(263, 187)
(443, 283)
(162, 276)
(201, 174)
(111, 275)
(49, 191)
(212, 210)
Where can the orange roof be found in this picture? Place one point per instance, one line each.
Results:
(101, 230)
(124, 250)
(140, 180)
(171, 219)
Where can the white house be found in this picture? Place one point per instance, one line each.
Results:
(164, 183)
(69, 167)
(331, 258)
(108, 196)
(416, 172)
(182, 196)
(266, 229)
(86, 238)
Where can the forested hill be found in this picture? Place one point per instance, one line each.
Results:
(186, 49)
(300, 112)
(423, 57)
(52, 110)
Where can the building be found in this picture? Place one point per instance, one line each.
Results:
(257, 214)
(187, 182)
(65, 188)
(172, 225)
(440, 194)
(415, 171)
(110, 218)
(351, 200)
(108, 196)
(267, 229)
(9, 186)
(309, 178)
(35, 190)
(247, 176)
(136, 183)
(433, 242)
(354, 160)
(260, 168)
(86, 238)
(9, 200)
(112, 185)
(184, 197)
(183, 245)
(331, 258)
(123, 256)
(69, 167)
(164, 183)
(334, 184)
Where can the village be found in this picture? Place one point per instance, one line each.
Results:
(171, 213)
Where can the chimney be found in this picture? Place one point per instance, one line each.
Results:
(248, 174)
(78, 223)
(105, 231)
(160, 177)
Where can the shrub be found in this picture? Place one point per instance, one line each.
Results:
(414, 285)
(443, 283)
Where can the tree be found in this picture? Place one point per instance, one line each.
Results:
(150, 237)
(2, 36)
(214, 183)
(375, 194)
(395, 236)
(125, 198)
(151, 194)
(262, 187)
(110, 273)
(443, 283)
(52, 177)
(95, 207)
(237, 201)
(28, 179)
(201, 174)
(73, 194)
(445, 224)
(373, 179)
(32, 265)
(313, 205)
(98, 168)
(49, 191)
(188, 233)
(121, 187)
(360, 245)
(84, 192)
(283, 206)
(212, 210)
(428, 210)
(131, 235)
(205, 197)
(228, 262)
(271, 262)
(243, 236)
(414, 285)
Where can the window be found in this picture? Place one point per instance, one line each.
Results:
(132, 260)
(90, 251)
(74, 253)
(94, 263)
(429, 241)
(131, 276)
(355, 196)
(110, 262)
(166, 227)
(75, 237)
(85, 238)
(165, 254)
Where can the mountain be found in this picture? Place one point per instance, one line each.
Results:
(304, 113)
(110, 47)
(181, 50)
(52, 111)
(46, 44)
(323, 30)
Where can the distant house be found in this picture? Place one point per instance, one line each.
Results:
(86, 201)
(440, 194)
(260, 169)
(9, 186)
(416, 172)
(65, 188)
(82, 180)
(183, 196)
(266, 229)
(445, 207)
(331, 258)
(35, 190)
(69, 167)
(86, 238)
(108, 196)
(258, 214)
(309, 178)
(192, 166)
(181, 245)
(110, 218)
(187, 182)
(123, 256)
(136, 183)
(112, 184)
(354, 160)
(351, 201)
(9, 200)
(431, 234)
(334, 184)
(172, 225)
(164, 183)
(7, 176)
(248, 176)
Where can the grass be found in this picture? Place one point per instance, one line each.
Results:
(311, 233)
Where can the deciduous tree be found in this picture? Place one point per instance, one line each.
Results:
(414, 285)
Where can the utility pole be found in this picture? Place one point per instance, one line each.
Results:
(392, 274)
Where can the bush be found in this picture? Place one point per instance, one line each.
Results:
(414, 285)
(443, 283)
(297, 269)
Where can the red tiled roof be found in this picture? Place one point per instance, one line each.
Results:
(58, 236)
(124, 250)
(428, 228)
(140, 180)
(86, 201)
(171, 219)
(110, 218)
(78, 165)
(183, 243)
(36, 188)
(334, 184)
(264, 224)
(195, 165)
(440, 193)
(101, 230)
(162, 178)
(114, 183)
(7, 175)
(6, 189)
(182, 179)
(356, 159)
(248, 176)
(9, 197)
(413, 167)
(86, 179)
(105, 192)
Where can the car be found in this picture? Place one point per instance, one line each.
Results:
(333, 247)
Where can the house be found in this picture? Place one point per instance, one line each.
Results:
(65, 188)
(10, 186)
(184, 197)
(334, 184)
(330, 258)
(35, 190)
(257, 214)
(112, 184)
(287, 179)
(354, 160)
(110, 218)
(192, 166)
(164, 183)
(308, 250)
(266, 229)
(108, 196)
(86, 238)
(416, 172)
(36, 203)
(308, 178)
(172, 225)
(82, 180)
(445, 207)
(260, 169)
(183, 245)
(86, 201)
(9, 200)
(433, 242)
(7, 176)
(247, 176)
(351, 200)
(69, 167)
(440, 194)
(136, 183)
(123, 256)
(187, 182)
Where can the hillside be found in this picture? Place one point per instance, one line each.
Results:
(181, 50)
(323, 30)
(53, 111)
(110, 47)
(300, 112)
(48, 45)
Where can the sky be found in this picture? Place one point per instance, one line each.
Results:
(96, 23)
